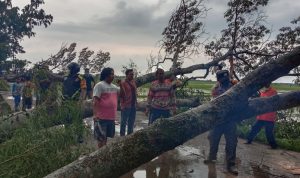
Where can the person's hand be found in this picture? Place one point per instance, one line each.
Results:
(174, 112)
(118, 82)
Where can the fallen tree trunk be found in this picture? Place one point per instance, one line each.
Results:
(117, 158)
(10, 122)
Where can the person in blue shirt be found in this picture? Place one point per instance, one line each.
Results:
(16, 93)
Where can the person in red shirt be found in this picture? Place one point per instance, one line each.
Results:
(128, 100)
(266, 120)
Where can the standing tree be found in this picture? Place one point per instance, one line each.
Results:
(96, 63)
(16, 24)
(181, 36)
(67, 54)
(248, 39)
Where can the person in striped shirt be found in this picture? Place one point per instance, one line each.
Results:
(161, 98)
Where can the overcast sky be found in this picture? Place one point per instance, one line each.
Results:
(128, 29)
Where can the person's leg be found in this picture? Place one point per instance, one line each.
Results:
(110, 131)
(29, 102)
(23, 103)
(269, 130)
(230, 148)
(18, 100)
(100, 128)
(154, 114)
(166, 113)
(124, 118)
(214, 139)
(131, 120)
(254, 131)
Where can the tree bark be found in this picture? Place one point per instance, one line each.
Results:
(117, 158)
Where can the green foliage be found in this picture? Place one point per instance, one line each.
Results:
(4, 85)
(19, 65)
(17, 23)
(38, 149)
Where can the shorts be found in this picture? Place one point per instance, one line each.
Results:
(104, 129)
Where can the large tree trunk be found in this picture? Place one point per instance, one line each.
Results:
(11, 122)
(117, 158)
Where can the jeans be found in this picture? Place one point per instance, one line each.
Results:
(158, 113)
(269, 127)
(229, 131)
(17, 100)
(127, 118)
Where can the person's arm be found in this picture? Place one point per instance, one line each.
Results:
(149, 100)
(173, 101)
(92, 82)
(122, 92)
(13, 90)
(82, 89)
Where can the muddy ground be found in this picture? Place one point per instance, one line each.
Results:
(186, 161)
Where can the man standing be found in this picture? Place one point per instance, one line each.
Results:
(105, 98)
(228, 128)
(266, 120)
(74, 90)
(27, 93)
(90, 82)
(161, 98)
(16, 93)
(128, 99)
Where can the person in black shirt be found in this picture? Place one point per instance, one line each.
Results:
(90, 82)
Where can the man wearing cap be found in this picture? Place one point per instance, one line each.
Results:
(228, 128)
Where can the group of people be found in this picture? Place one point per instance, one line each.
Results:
(229, 128)
(161, 103)
(22, 90)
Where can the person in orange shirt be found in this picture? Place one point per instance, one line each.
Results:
(128, 101)
(266, 120)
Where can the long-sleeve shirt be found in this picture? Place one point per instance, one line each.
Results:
(128, 94)
(161, 95)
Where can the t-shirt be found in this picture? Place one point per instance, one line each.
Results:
(161, 95)
(28, 89)
(106, 101)
(17, 89)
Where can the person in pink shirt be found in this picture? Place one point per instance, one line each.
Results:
(105, 98)
(266, 120)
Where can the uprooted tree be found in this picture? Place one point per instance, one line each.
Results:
(117, 158)
(243, 45)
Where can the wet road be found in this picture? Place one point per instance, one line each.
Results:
(186, 161)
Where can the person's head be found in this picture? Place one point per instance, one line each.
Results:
(160, 74)
(74, 68)
(107, 75)
(223, 77)
(86, 70)
(267, 85)
(129, 74)
(18, 80)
